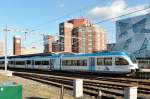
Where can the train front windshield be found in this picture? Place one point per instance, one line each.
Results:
(133, 59)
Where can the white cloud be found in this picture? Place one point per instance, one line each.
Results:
(108, 11)
(118, 7)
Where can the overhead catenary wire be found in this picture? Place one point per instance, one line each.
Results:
(42, 41)
(31, 31)
(108, 19)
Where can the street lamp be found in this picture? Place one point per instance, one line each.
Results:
(5, 48)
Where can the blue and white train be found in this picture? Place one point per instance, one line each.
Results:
(102, 62)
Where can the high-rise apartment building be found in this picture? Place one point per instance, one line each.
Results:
(79, 22)
(65, 33)
(17, 45)
(80, 36)
(65, 36)
(88, 39)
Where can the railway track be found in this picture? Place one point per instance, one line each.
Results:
(112, 78)
(110, 87)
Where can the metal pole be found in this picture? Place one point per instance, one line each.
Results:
(62, 92)
(5, 41)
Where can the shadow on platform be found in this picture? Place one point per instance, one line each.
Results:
(35, 98)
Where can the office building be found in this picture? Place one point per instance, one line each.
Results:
(133, 35)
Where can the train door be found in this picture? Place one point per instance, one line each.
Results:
(51, 64)
(33, 63)
(92, 64)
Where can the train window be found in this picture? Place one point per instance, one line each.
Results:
(45, 62)
(37, 62)
(64, 62)
(121, 61)
(69, 63)
(82, 63)
(74, 62)
(100, 61)
(28, 62)
(1, 62)
(20, 63)
(108, 61)
(11, 62)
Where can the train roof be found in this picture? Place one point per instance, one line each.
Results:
(69, 55)
(31, 55)
(98, 54)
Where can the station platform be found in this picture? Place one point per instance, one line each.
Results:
(6, 73)
(144, 70)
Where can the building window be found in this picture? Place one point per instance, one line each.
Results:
(61, 26)
(61, 30)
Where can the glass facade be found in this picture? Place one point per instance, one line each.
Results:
(133, 35)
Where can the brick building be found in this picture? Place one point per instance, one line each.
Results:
(17, 45)
(79, 22)
(65, 36)
(80, 36)
(29, 50)
(65, 33)
(55, 46)
(88, 39)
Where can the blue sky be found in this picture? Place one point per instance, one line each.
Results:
(43, 16)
